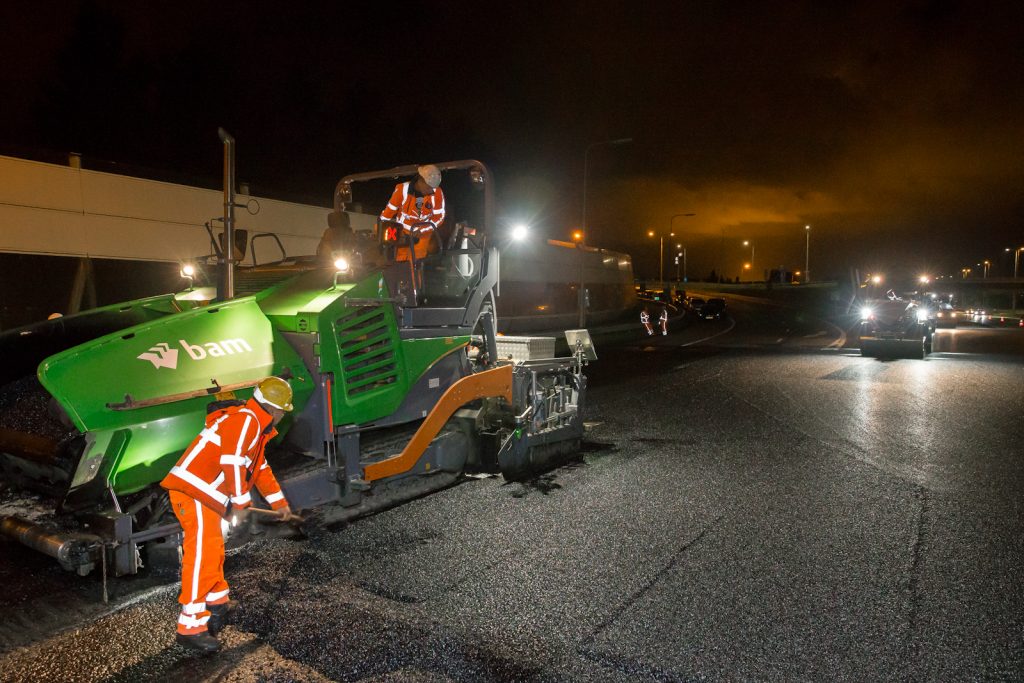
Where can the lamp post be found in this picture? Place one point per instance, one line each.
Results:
(661, 252)
(582, 295)
(748, 243)
(807, 255)
(1017, 260)
(678, 246)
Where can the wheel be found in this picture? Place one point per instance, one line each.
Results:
(915, 349)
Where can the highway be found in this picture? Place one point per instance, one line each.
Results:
(754, 500)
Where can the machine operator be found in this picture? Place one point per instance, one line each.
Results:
(417, 208)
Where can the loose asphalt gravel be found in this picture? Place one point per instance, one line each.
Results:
(743, 513)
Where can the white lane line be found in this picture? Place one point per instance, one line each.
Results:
(732, 324)
(840, 341)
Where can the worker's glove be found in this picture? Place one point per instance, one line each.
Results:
(285, 514)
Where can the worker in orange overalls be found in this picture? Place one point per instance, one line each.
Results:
(211, 482)
(645, 320)
(417, 208)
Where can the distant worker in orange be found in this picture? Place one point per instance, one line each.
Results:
(663, 319)
(416, 207)
(645, 320)
(212, 481)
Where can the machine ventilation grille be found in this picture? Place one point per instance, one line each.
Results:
(247, 283)
(367, 350)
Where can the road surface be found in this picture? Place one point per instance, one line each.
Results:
(753, 501)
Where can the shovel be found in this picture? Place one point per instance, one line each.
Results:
(292, 518)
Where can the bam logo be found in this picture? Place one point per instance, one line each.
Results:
(163, 356)
(227, 347)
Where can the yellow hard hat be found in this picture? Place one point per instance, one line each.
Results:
(274, 392)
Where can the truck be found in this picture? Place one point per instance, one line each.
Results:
(399, 384)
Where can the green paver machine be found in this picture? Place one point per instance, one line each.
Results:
(398, 385)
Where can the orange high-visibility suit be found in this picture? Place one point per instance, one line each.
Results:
(421, 216)
(220, 466)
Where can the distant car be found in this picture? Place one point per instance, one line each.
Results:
(713, 309)
(946, 316)
(894, 327)
(988, 319)
(695, 304)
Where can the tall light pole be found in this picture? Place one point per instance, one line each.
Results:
(807, 255)
(582, 294)
(661, 252)
(670, 222)
(1016, 263)
(748, 243)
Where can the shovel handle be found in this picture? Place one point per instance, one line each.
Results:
(273, 513)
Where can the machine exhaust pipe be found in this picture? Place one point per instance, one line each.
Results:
(226, 288)
(75, 552)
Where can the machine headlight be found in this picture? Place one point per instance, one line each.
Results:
(866, 312)
(341, 264)
(922, 315)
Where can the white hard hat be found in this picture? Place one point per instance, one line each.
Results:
(431, 174)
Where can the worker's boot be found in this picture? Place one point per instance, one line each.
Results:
(219, 616)
(199, 642)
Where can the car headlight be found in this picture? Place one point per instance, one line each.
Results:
(866, 313)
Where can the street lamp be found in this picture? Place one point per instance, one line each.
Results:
(679, 246)
(748, 243)
(661, 252)
(1016, 266)
(1016, 259)
(807, 255)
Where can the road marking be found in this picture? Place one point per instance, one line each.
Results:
(732, 324)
